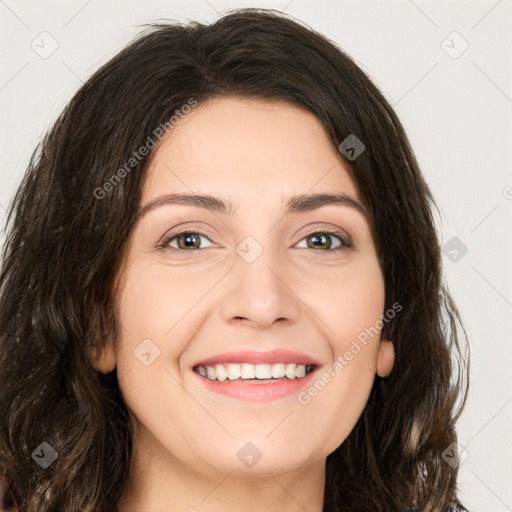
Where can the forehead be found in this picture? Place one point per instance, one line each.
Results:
(236, 146)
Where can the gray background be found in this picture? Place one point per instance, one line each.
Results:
(456, 108)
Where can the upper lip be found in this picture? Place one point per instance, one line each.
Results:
(259, 357)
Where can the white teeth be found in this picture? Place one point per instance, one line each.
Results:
(300, 371)
(247, 371)
(221, 372)
(278, 371)
(263, 371)
(290, 371)
(234, 371)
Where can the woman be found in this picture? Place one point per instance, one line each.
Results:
(222, 289)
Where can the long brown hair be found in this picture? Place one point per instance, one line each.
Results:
(67, 234)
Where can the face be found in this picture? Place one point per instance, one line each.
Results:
(266, 289)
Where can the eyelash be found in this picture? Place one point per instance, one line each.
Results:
(164, 244)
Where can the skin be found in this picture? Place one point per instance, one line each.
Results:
(194, 306)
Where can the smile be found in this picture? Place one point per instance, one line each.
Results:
(254, 372)
(256, 376)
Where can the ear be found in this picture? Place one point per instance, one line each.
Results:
(102, 355)
(385, 358)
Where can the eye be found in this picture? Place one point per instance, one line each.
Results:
(184, 241)
(322, 240)
(190, 241)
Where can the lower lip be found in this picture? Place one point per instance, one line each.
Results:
(257, 392)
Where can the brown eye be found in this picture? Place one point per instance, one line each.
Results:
(186, 241)
(323, 241)
(319, 241)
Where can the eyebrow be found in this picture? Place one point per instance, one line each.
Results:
(295, 204)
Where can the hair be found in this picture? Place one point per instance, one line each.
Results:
(65, 244)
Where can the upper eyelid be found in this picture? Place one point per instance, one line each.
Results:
(320, 226)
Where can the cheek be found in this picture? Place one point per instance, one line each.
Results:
(349, 301)
(156, 298)
(159, 311)
(152, 311)
(351, 306)
(358, 323)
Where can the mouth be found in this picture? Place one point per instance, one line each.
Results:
(256, 376)
(255, 373)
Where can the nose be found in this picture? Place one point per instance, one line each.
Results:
(259, 294)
